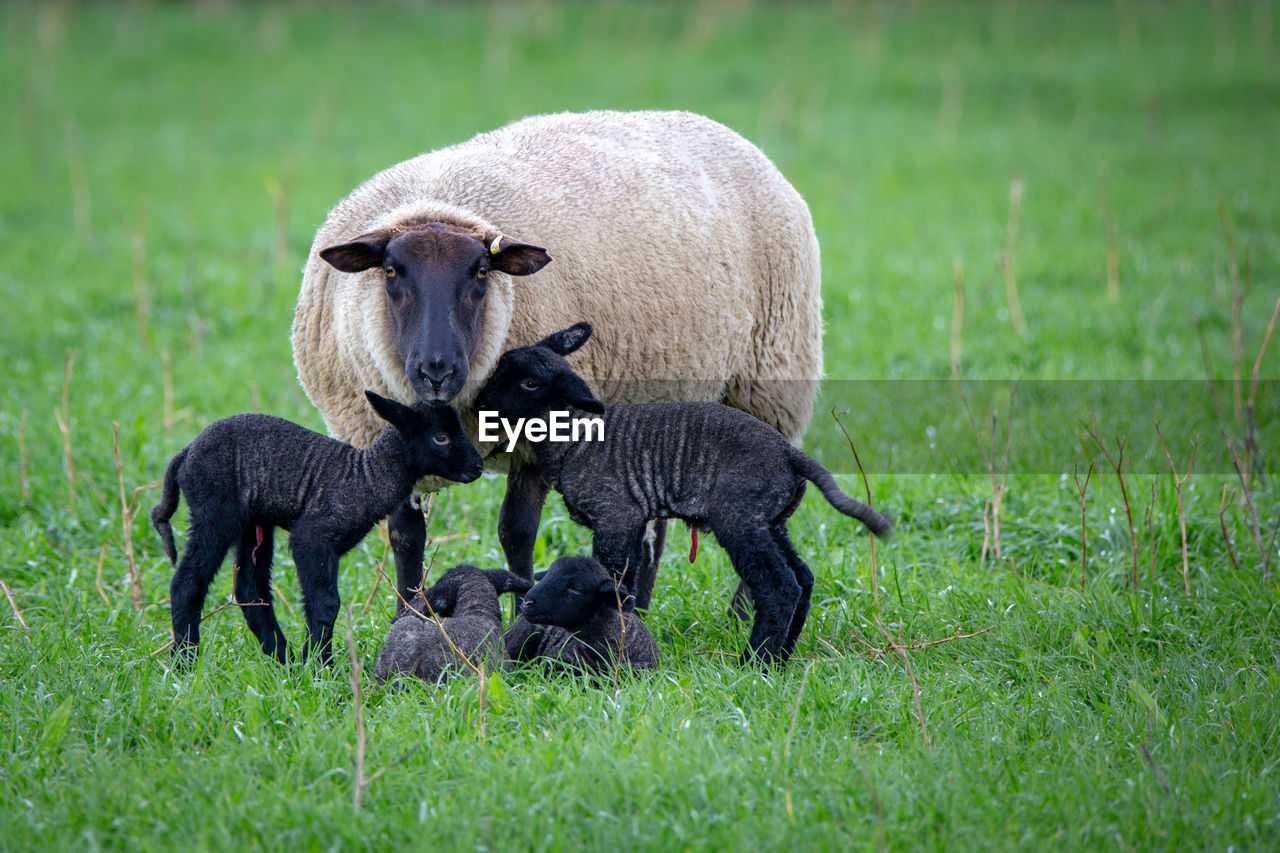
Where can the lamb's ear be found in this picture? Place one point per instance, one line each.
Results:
(505, 581)
(392, 411)
(567, 340)
(611, 593)
(513, 257)
(362, 253)
(574, 390)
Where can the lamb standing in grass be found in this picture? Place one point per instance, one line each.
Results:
(467, 621)
(715, 467)
(686, 247)
(245, 475)
(579, 617)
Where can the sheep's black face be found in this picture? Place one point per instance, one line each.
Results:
(573, 591)
(437, 443)
(436, 278)
(532, 381)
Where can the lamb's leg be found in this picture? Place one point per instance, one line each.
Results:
(317, 564)
(407, 530)
(518, 518)
(207, 544)
(253, 588)
(619, 547)
(646, 570)
(758, 561)
(804, 577)
(740, 607)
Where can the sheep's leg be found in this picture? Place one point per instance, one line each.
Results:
(620, 547)
(646, 568)
(317, 565)
(518, 518)
(253, 588)
(758, 560)
(408, 532)
(804, 576)
(207, 544)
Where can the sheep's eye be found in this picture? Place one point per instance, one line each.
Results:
(574, 591)
(440, 439)
(482, 272)
(389, 271)
(530, 385)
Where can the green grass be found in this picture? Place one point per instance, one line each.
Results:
(197, 149)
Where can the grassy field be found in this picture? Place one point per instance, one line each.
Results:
(1110, 165)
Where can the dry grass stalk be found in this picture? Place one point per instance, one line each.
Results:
(1113, 253)
(999, 477)
(957, 314)
(866, 485)
(1151, 539)
(14, 604)
(63, 418)
(1255, 528)
(1083, 487)
(126, 521)
(1009, 261)
(97, 578)
(1178, 483)
(142, 303)
(24, 470)
(791, 732)
(877, 652)
(1117, 464)
(1222, 520)
(361, 782)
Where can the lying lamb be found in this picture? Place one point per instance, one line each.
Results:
(580, 618)
(467, 622)
(715, 467)
(245, 475)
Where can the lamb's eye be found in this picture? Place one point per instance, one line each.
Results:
(440, 439)
(482, 272)
(389, 271)
(530, 385)
(574, 591)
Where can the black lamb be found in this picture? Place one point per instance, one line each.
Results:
(713, 466)
(580, 618)
(467, 622)
(246, 475)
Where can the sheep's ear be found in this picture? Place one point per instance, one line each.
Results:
(505, 581)
(567, 340)
(513, 257)
(611, 593)
(392, 411)
(362, 253)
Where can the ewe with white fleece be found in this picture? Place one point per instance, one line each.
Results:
(678, 240)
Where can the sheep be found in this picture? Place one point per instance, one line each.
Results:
(465, 603)
(579, 618)
(245, 475)
(690, 252)
(713, 466)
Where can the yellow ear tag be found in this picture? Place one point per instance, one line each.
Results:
(496, 247)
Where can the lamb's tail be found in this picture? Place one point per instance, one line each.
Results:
(168, 505)
(821, 477)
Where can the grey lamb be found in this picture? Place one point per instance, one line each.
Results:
(713, 466)
(580, 618)
(246, 475)
(467, 621)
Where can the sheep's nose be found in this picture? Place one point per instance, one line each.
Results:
(435, 371)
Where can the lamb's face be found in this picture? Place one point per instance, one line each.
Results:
(573, 591)
(532, 381)
(436, 278)
(440, 446)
